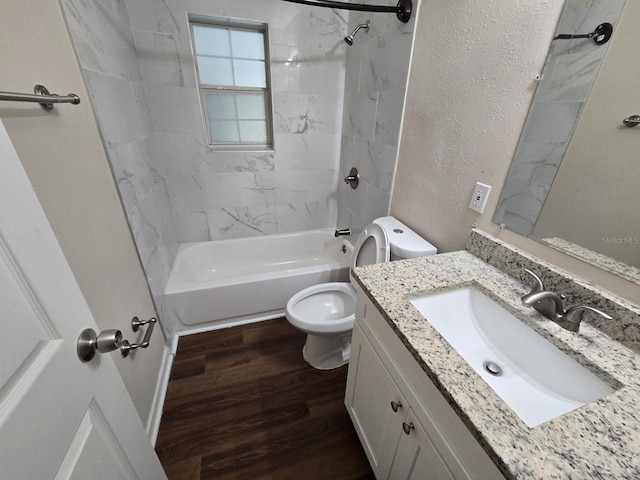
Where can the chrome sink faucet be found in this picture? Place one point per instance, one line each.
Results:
(550, 305)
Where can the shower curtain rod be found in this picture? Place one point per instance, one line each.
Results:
(402, 10)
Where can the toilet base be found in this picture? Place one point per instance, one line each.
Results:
(326, 352)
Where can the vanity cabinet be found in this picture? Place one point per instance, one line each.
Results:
(406, 427)
(375, 404)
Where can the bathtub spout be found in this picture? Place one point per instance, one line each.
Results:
(342, 232)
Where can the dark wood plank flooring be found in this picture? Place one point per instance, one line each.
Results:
(243, 404)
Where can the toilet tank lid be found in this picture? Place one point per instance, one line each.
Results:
(405, 243)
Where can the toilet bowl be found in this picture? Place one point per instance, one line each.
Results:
(324, 309)
(326, 312)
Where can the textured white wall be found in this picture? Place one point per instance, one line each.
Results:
(471, 82)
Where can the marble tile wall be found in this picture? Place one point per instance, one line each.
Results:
(220, 195)
(137, 62)
(375, 85)
(104, 43)
(569, 73)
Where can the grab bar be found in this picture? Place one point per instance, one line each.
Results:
(42, 96)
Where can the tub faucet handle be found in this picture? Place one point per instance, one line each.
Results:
(342, 232)
(353, 178)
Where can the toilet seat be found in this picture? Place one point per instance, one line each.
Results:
(312, 311)
(327, 308)
(371, 247)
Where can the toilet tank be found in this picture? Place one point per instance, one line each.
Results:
(404, 242)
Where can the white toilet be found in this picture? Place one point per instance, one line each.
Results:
(326, 312)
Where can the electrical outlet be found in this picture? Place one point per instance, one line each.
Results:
(479, 198)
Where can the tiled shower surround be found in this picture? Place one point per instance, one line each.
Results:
(136, 58)
(376, 77)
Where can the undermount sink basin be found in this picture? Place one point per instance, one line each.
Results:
(537, 380)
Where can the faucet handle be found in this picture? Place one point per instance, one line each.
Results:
(574, 314)
(342, 231)
(539, 286)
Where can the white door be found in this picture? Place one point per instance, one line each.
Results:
(59, 418)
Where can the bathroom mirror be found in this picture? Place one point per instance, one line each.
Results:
(572, 181)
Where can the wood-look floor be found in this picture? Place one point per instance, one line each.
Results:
(243, 404)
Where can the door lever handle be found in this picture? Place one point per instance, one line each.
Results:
(136, 323)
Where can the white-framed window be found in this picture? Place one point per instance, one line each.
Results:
(232, 64)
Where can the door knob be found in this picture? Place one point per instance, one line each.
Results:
(104, 342)
(632, 121)
(395, 406)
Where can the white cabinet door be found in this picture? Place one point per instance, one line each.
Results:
(416, 457)
(368, 398)
(59, 418)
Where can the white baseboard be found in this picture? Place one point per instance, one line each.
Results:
(153, 422)
(233, 322)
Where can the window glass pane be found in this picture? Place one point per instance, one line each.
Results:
(253, 131)
(232, 65)
(249, 73)
(247, 44)
(221, 107)
(212, 40)
(215, 71)
(251, 107)
(224, 131)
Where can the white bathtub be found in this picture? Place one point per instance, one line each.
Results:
(229, 282)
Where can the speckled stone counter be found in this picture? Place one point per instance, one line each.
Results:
(598, 440)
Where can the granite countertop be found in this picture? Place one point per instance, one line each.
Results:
(598, 440)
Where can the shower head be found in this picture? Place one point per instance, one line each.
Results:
(349, 38)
